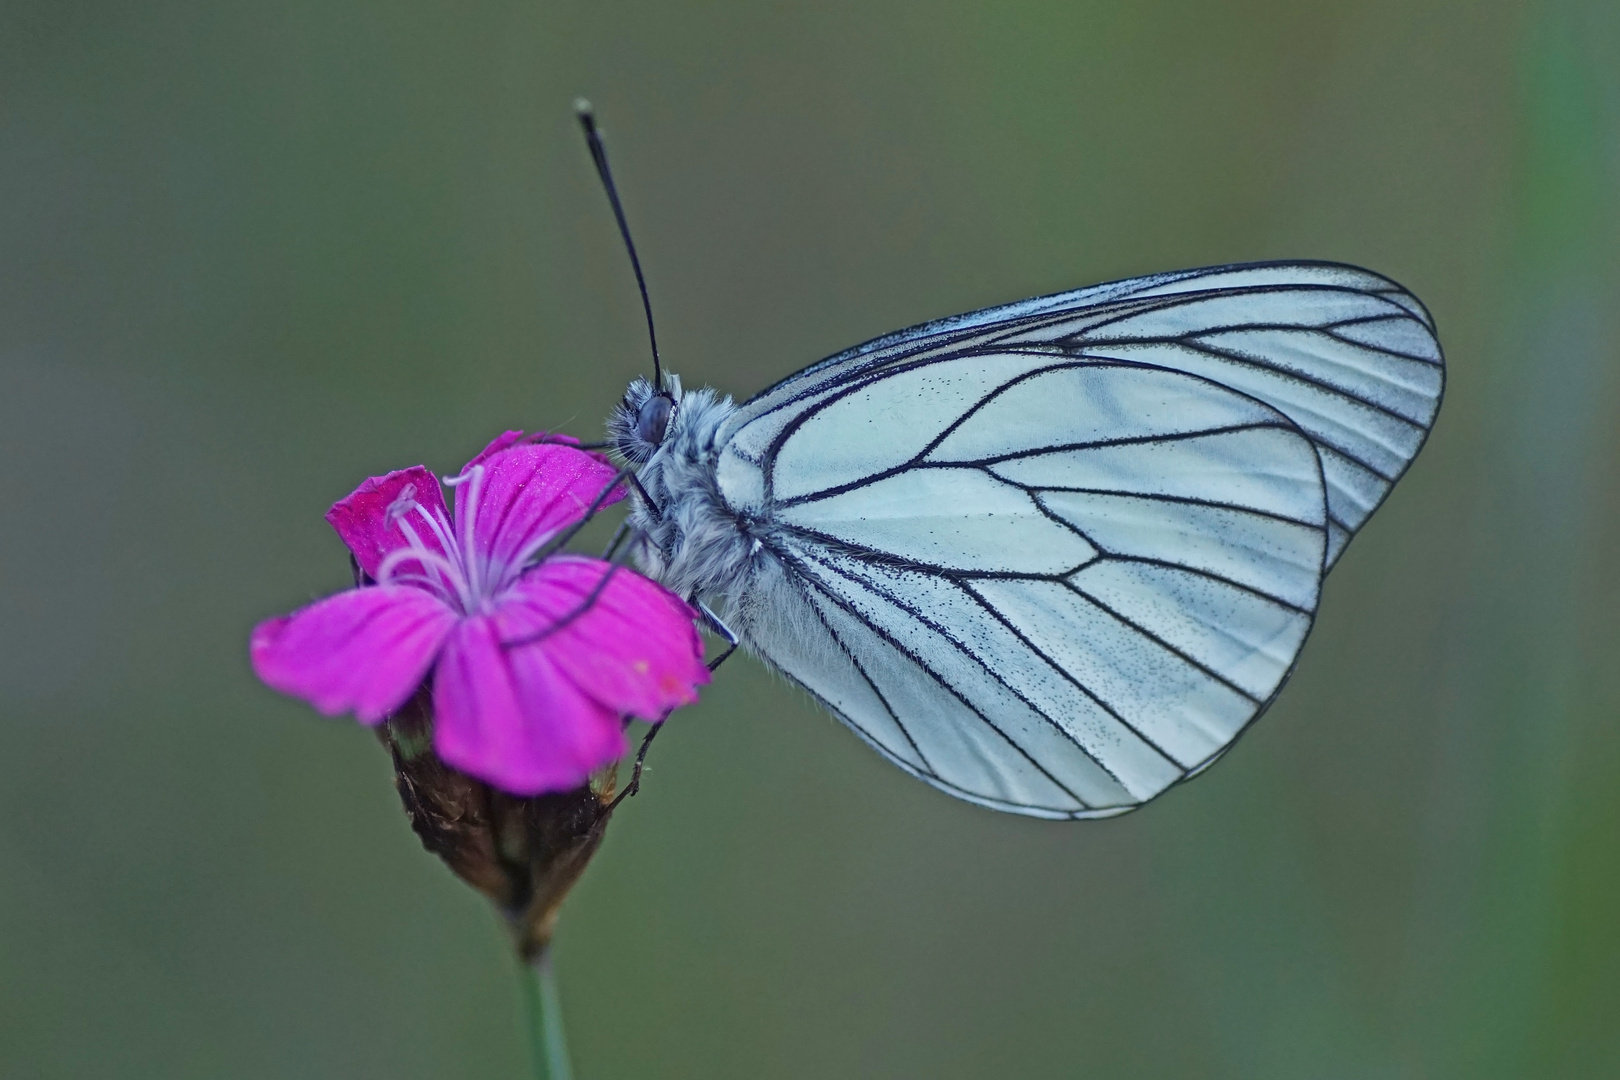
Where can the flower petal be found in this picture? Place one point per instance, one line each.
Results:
(364, 522)
(529, 492)
(363, 651)
(504, 441)
(508, 717)
(627, 642)
(507, 439)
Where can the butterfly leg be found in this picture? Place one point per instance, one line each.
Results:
(618, 538)
(714, 623)
(718, 626)
(635, 772)
(646, 499)
(558, 542)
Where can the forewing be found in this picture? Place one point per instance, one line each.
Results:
(1048, 585)
(1349, 356)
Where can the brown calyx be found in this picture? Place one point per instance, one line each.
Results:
(525, 854)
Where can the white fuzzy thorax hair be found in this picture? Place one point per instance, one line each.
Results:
(689, 539)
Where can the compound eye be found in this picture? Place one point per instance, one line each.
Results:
(653, 419)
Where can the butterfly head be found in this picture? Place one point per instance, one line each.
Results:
(642, 420)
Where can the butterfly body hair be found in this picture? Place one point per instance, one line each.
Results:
(689, 538)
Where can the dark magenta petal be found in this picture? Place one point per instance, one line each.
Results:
(509, 717)
(508, 439)
(626, 642)
(531, 491)
(504, 441)
(363, 520)
(363, 651)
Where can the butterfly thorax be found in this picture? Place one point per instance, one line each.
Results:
(688, 538)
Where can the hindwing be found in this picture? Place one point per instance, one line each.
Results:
(1054, 557)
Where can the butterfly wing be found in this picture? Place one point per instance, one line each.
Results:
(1349, 356)
(1049, 557)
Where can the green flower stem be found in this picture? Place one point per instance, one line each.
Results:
(548, 1049)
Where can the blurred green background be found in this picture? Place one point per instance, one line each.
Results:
(253, 253)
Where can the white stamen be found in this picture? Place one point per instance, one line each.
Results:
(433, 585)
(401, 505)
(459, 573)
(439, 528)
(452, 575)
(431, 560)
(481, 574)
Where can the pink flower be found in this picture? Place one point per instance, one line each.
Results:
(533, 666)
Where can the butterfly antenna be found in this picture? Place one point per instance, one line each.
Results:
(593, 139)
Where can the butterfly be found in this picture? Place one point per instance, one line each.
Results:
(1051, 557)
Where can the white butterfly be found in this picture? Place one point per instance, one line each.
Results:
(1051, 557)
